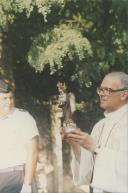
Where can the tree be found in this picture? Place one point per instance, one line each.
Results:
(74, 41)
(9, 9)
(63, 45)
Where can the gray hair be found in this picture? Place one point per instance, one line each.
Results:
(123, 77)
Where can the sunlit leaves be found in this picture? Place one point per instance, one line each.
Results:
(44, 6)
(9, 9)
(54, 47)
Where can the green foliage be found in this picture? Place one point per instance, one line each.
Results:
(9, 9)
(69, 37)
(57, 47)
(44, 7)
(74, 30)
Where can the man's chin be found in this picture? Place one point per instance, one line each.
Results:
(7, 110)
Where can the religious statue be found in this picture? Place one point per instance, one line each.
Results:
(66, 101)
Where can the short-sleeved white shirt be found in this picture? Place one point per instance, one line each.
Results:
(16, 130)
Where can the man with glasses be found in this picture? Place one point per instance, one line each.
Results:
(18, 144)
(104, 153)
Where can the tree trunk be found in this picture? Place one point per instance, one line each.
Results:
(5, 56)
(57, 148)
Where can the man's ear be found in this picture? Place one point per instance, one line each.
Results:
(124, 95)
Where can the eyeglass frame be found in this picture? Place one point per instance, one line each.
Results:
(110, 90)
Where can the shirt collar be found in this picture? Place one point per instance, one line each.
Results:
(10, 113)
(116, 114)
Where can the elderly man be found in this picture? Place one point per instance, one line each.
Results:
(101, 159)
(18, 144)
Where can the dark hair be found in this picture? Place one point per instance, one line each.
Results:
(6, 86)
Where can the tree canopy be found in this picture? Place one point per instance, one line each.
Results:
(10, 8)
(59, 46)
(71, 40)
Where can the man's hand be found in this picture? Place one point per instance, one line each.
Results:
(26, 189)
(74, 145)
(83, 139)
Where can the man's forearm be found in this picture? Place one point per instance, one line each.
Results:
(30, 165)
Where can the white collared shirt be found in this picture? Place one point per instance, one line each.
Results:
(16, 130)
(111, 132)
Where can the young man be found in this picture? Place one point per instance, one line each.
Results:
(18, 144)
(108, 142)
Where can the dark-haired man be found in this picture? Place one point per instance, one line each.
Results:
(18, 144)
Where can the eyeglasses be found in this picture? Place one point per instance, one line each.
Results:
(109, 91)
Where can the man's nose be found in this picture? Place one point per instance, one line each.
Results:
(9, 101)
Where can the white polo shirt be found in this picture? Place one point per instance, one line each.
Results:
(16, 131)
